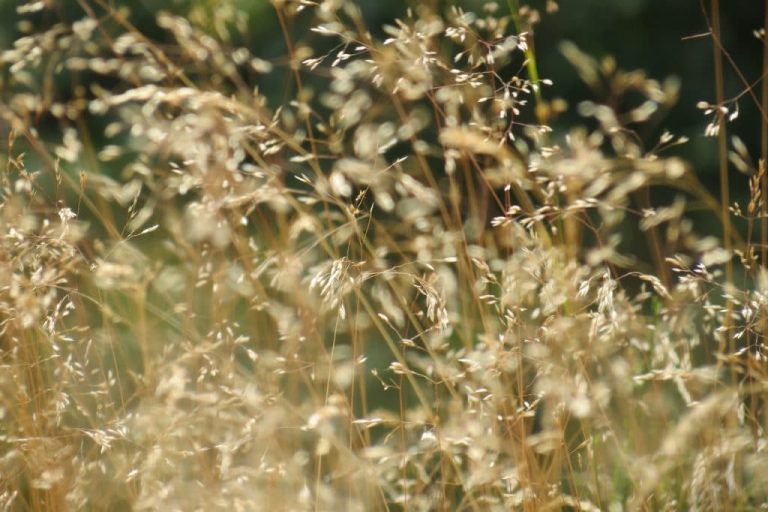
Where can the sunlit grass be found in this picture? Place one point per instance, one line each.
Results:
(394, 288)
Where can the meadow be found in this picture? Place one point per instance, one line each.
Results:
(396, 285)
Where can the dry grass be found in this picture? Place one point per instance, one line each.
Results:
(395, 289)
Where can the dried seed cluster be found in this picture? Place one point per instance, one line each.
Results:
(393, 289)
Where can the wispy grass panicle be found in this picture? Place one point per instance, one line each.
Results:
(390, 286)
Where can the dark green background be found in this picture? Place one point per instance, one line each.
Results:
(640, 34)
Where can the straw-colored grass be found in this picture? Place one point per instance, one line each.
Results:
(393, 287)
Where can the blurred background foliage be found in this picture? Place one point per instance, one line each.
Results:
(664, 38)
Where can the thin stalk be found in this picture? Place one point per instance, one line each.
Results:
(764, 148)
(567, 230)
(723, 160)
(530, 58)
(754, 399)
